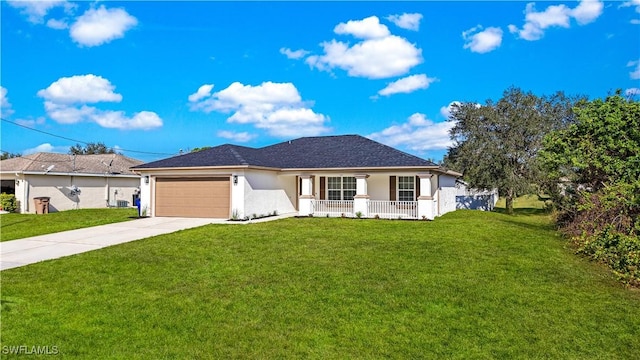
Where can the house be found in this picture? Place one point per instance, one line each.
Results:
(347, 175)
(70, 181)
(475, 199)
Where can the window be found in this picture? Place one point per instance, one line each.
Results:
(406, 188)
(341, 188)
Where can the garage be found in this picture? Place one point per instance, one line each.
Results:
(207, 197)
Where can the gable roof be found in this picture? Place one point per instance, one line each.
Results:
(345, 151)
(65, 163)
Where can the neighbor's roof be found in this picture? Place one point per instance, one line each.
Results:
(65, 163)
(345, 151)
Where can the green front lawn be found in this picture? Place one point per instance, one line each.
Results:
(468, 285)
(18, 226)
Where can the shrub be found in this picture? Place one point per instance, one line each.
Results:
(618, 251)
(8, 202)
(605, 228)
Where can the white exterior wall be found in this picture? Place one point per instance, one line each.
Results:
(378, 187)
(145, 196)
(266, 192)
(447, 200)
(22, 195)
(94, 191)
(447, 193)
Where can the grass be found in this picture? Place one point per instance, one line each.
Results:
(18, 226)
(468, 285)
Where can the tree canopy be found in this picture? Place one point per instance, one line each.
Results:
(91, 149)
(7, 155)
(496, 144)
(593, 174)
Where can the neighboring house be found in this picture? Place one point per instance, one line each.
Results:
(321, 176)
(475, 199)
(70, 181)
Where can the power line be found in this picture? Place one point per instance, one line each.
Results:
(80, 141)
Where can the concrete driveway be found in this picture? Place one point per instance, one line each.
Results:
(16, 253)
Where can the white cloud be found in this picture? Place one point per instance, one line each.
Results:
(275, 107)
(144, 120)
(236, 136)
(406, 21)
(482, 41)
(635, 3)
(587, 11)
(556, 15)
(57, 24)
(635, 21)
(66, 102)
(31, 122)
(369, 28)
(297, 54)
(445, 111)
(98, 26)
(5, 105)
(375, 59)
(203, 92)
(68, 114)
(417, 134)
(37, 10)
(80, 89)
(632, 92)
(380, 55)
(46, 147)
(634, 74)
(407, 85)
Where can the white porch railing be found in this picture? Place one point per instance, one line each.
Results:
(332, 208)
(376, 208)
(393, 209)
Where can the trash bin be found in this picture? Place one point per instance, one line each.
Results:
(41, 204)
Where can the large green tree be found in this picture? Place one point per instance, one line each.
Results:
(593, 173)
(91, 149)
(496, 144)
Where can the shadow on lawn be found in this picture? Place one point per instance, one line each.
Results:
(520, 213)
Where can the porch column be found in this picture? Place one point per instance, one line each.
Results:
(305, 201)
(425, 198)
(361, 200)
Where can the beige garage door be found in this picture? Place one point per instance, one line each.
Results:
(193, 197)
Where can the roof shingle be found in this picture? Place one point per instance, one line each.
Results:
(65, 163)
(345, 151)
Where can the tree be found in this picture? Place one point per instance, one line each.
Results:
(496, 144)
(90, 149)
(7, 155)
(196, 149)
(593, 174)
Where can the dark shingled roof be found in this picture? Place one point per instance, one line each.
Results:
(345, 151)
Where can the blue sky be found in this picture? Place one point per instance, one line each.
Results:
(151, 78)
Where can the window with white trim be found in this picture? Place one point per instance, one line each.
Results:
(406, 188)
(341, 188)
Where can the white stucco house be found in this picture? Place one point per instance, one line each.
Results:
(346, 175)
(70, 181)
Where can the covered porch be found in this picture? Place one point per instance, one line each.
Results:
(385, 196)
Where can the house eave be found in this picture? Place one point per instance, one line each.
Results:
(364, 169)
